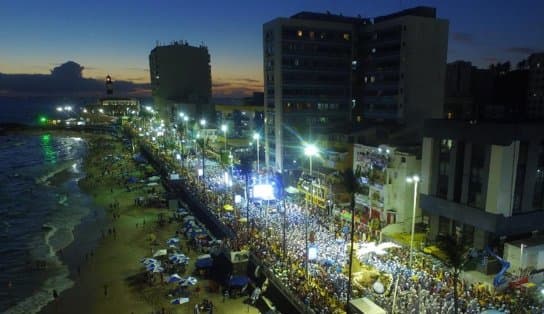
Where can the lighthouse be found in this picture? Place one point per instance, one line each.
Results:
(109, 85)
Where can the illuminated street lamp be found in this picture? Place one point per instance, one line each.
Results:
(257, 137)
(203, 122)
(310, 150)
(413, 179)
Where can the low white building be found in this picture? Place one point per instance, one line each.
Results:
(384, 193)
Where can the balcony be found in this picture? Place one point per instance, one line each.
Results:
(493, 223)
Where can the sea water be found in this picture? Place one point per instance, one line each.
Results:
(40, 206)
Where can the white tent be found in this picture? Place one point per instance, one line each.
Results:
(161, 252)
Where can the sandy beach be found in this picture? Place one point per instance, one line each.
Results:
(109, 277)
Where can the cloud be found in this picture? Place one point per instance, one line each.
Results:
(521, 50)
(66, 79)
(220, 84)
(461, 37)
(491, 59)
(247, 80)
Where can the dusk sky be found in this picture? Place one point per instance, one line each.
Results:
(115, 37)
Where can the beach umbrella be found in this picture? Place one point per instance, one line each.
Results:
(189, 281)
(157, 269)
(179, 301)
(147, 261)
(378, 287)
(174, 278)
(172, 241)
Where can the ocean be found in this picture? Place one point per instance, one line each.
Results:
(40, 207)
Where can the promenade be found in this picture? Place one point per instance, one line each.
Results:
(427, 287)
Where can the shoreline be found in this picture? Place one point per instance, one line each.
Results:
(112, 279)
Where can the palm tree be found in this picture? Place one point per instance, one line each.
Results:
(350, 184)
(456, 257)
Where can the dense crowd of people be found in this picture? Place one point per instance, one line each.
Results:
(279, 235)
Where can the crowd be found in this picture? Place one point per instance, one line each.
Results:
(322, 285)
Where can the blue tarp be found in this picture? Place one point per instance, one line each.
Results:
(204, 263)
(238, 281)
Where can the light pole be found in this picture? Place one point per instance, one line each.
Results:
(257, 136)
(224, 128)
(413, 179)
(183, 139)
(521, 259)
(203, 124)
(310, 150)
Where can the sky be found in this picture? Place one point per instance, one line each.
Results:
(115, 37)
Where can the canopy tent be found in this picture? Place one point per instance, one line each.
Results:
(153, 178)
(179, 301)
(204, 263)
(161, 252)
(238, 281)
(291, 190)
(174, 278)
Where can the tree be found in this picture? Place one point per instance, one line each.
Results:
(350, 183)
(456, 257)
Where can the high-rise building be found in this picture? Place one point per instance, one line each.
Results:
(307, 75)
(325, 73)
(181, 80)
(400, 68)
(535, 97)
(482, 182)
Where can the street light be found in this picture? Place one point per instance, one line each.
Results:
(413, 179)
(203, 122)
(310, 150)
(224, 128)
(257, 136)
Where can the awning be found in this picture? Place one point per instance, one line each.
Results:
(291, 190)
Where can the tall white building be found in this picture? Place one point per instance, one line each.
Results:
(325, 74)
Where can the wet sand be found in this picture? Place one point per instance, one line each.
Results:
(111, 279)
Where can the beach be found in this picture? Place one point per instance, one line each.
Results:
(104, 259)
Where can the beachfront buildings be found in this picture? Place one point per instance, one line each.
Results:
(327, 75)
(181, 81)
(399, 68)
(383, 193)
(535, 92)
(307, 80)
(483, 182)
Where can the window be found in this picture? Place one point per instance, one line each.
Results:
(538, 195)
(373, 50)
(372, 79)
(312, 35)
(346, 36)
(299, 33)
(476, 182)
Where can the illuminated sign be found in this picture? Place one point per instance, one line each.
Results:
(263, 191)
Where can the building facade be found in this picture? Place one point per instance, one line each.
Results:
(181, 81)
(399, 69)
(535, 92)
(383, 192)
(326, 74)
(307, 67)
(483, 183)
